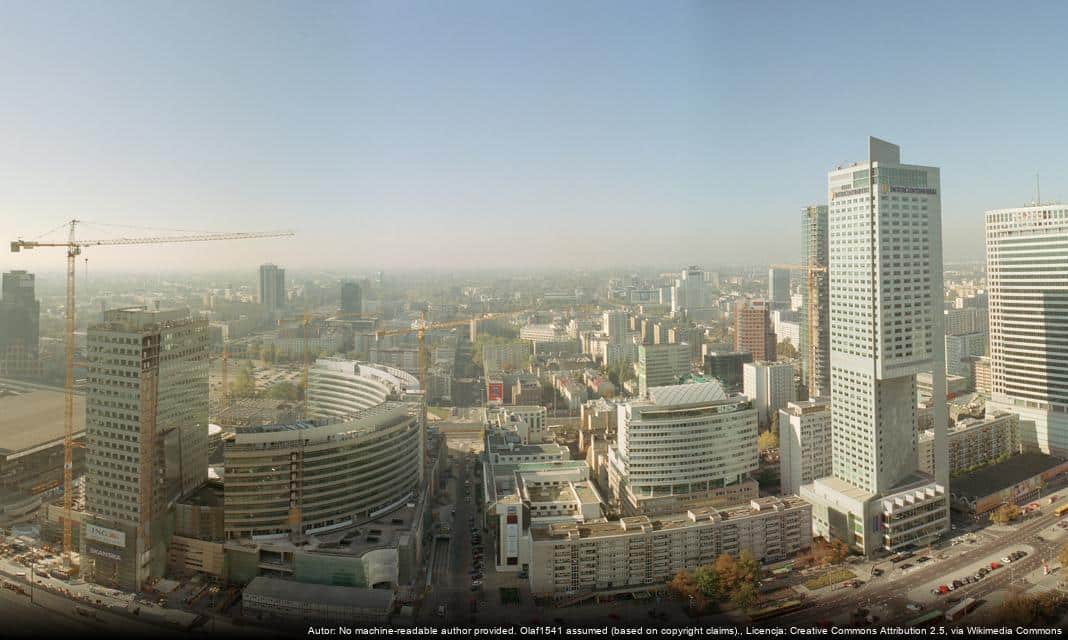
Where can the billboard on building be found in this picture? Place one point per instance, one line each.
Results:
(105, 535)
(104, 553)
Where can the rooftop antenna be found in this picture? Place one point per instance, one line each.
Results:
(1038, 189)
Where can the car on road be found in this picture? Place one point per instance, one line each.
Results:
(906, 566)
(995, 565)
(1007, 559)
(476, 583)
(912, 606)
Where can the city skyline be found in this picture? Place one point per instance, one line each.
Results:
(389, 137)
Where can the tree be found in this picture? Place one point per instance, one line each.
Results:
(708, 582)
(685, 587)
(745, 595)
(727, 569)
(785, 350)
(1005, 514)
(244, 384)
(1062, 556)
(768, 440)
(747, 568)
(839, 551)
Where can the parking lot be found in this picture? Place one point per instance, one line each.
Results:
(975, 573)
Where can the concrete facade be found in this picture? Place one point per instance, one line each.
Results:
(886, 327)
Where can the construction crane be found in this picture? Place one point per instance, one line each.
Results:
(420, 328)
(74, 248)
(810, 311)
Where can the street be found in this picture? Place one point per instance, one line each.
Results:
(894, 590)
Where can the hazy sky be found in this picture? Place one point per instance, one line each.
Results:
(486, 133)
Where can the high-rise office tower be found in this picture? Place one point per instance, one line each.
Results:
(20, 315)
(753, 331)
(146, 423)
(614, 324)
(886, 327)
(351, 299)
(779, 287)
(1026, 253)
(691, 294)
(728, 368)
(272, 287)
(770, 386)
(815, 343)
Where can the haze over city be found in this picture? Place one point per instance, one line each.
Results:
(553, 134)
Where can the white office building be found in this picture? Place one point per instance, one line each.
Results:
(770, 385)
(804, 443)
(691, 294)
(661, 365)
(961, 350)
(685, 442)
(1027, 271)
(886, 327)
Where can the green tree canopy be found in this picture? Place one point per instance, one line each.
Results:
(785, 350)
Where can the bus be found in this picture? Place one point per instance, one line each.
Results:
(960, 610)
(1061, 510)
(931, 617)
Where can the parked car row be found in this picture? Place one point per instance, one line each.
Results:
(943, 589)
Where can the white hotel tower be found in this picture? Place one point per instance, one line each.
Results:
(886, 297)
(1027, 266)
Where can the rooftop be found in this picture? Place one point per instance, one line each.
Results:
(687, 393)
(320, 594)
(385, 531)
(605, 528)
(1003, 474)
(35, 418)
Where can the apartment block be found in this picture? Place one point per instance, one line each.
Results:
(974, 442)
(638, 552)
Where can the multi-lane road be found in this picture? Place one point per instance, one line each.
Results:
(891, 591)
